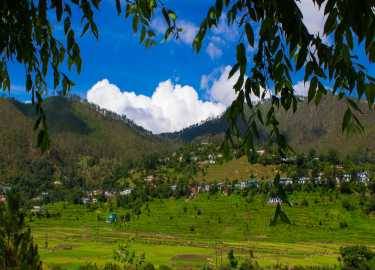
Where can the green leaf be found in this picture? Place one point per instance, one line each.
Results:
(172, 15)
(302, 54)
(135, 24)
(354, 105)
(118, 6)
(312, 89)
(166, 17)
(249, 34)
(233, 70)
(219, 8)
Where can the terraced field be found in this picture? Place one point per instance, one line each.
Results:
(190, 233)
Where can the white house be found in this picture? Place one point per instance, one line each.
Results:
(274, 200)
(85, 200)
(126, 192)
(363, 177)
(303, 180)
(346, 177)
(285, 181)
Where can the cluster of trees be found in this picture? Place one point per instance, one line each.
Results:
(17, 248)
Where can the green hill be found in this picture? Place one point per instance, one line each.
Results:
(77, 129)
(311, 126)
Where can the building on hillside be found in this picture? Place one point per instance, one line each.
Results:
(126, 192)
(36, 209)
(275, 200)
(211, 159)
(85, 200)
(173, 187)
(112, 218)
(346, 177)
(57, 183)
(253, 183)
(285, 181)
(302, 180)
(149, 178)
(220, 186)
(261, 152)
(108, 194)
(363, 177)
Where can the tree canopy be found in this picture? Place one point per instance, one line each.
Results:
(275, 30)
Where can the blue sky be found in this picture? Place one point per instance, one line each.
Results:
(166, 87)
(118, 56)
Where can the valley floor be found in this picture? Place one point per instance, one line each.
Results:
(190, 233)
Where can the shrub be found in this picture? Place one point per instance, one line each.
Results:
(343, 225)
(357, 258)
(149, 266)
(348, 205)
(233, 262)
(305, 202)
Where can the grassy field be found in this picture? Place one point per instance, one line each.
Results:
(243, 170)
(190, 233)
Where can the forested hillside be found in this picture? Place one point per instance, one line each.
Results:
(82, 135)
(312, 126)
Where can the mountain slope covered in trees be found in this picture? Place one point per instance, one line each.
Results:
(318, 127)
(78, 131)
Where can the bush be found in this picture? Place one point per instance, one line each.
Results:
(357, 258)
(343, 225)
(348, 205)
(149, 266)
(233, 262)
(305, 202)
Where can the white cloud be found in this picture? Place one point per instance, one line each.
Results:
(313, 17)
(170, 108)
(213, 51)
(189, 29)
(220, 88)
(301, 88)
(228, 32)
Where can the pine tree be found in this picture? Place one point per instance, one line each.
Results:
(17, 249)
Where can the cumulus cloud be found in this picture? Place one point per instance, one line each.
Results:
(313, 16)
(301, 88)
(171, 107)
(220, 87)
(213, 51)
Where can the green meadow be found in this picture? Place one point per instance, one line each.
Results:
(186, 233)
